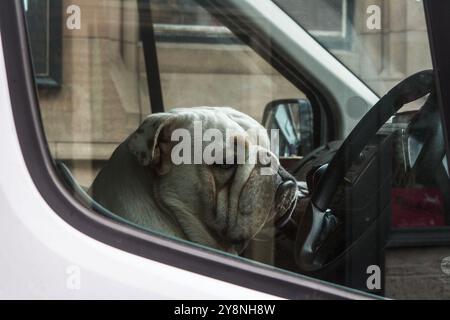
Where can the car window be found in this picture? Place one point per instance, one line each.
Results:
(379, 42)
(197, 51)
(383, 43)
(238, 162)
(93, 90)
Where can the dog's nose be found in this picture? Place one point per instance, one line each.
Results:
(287, 186)
(286, 190)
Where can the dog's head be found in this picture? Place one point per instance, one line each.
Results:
(215, 173)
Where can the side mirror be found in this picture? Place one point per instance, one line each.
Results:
(294, 120)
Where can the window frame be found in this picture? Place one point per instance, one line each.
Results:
(339, 40)
(192, 33)
(342, 41)
(52, 78)
(32, 141)
(39, 163)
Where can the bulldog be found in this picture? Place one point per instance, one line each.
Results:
(218, 202)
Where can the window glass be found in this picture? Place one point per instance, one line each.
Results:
(383, 50)
(383, 41)
(118, 159)
(197, 70)
(386, 42)
(44, 19)
(323, 17)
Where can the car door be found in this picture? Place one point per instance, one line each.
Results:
(56, 245)
(102, 69)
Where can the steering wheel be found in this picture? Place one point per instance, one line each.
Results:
(425, 130)
(318, 223)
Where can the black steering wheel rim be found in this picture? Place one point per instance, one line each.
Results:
(311, 228)
(426, 127)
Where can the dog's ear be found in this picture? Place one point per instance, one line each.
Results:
(150, 144)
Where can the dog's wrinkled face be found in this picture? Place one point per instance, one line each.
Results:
(216, 202)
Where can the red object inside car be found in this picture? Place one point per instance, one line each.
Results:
(417, 207)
